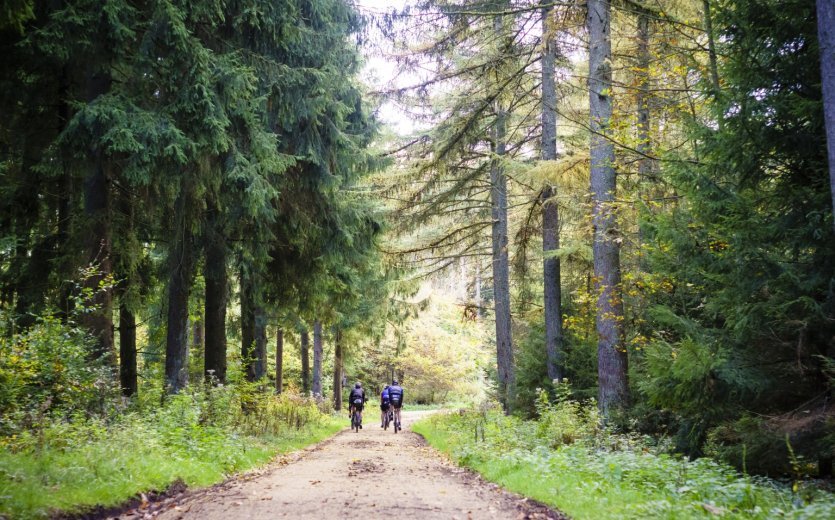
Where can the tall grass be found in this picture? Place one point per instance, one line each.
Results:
(567, 461)
(199, 438)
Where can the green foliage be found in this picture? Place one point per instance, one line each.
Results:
(567, 421)
(440, 355)
(46, 372)
(198, 437)
(747, 255)
(615, 477)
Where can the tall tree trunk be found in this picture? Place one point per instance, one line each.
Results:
(279, 361)
(260, 339)
(611, 353)
(217, 294)
(711, 48)
(97, 209)
(318, 350)
(642, 100)
(337, 371)
(305, 355)
(65, 203)
(253, 327)
(247, 326)
(501, 270)
(181, 264)
(826, 39)
(550, 209)
(127, 320)
(127, 351)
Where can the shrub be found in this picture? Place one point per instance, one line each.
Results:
(46, 371)
(566, 421)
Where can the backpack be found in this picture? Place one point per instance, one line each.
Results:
(356, 398)
(396, 394)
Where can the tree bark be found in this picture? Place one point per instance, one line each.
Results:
(247, 326)
(260, 340)
(127, 351)
(711, 48)
(318, 350)
(305, 355)
(611, 353)
(217, 295)
(253, 327)
(127, 320)
(98, 211)
(501, 270)
(181, 264)
(279, 361)
(642, 100)
(552, 280)
(337, 371)
(826, 41)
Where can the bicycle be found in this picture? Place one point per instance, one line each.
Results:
(386, 419)
(356, 420)
(396, 418)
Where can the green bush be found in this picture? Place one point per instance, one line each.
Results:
(613, 476)
(198, 436)
(566, 421)
(46, 371)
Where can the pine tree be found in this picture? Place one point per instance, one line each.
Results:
(612, 357)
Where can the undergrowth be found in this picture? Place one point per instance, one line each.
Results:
(566, 460)
(71, 465)
(69, 441)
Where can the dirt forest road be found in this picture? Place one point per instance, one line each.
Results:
(369, 474)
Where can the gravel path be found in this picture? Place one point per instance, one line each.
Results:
(370, 474)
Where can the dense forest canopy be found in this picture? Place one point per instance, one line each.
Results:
(631, 200)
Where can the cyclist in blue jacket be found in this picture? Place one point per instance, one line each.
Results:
(396, 400)
(384, 406)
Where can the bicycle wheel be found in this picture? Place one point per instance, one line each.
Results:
(386, 422)
(355, 422)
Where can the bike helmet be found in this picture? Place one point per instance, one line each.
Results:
(394, 382)
(358, 385)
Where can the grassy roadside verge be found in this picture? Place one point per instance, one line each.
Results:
(621, 480)
(116, 462)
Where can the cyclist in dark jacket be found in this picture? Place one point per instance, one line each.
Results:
(396, 400)
(384, 406)
(356, 401)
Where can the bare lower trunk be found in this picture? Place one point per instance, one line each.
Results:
(127, 351)
(305, 355)
(550, 211)
(318, 350)
(253, 328)
(279, 361)
(501, 271)
(97, 209)
(127, 320)
(215, 274)
(826, 39)
(99, 321)
(179, 286)
(337, 371)
(611, 353)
